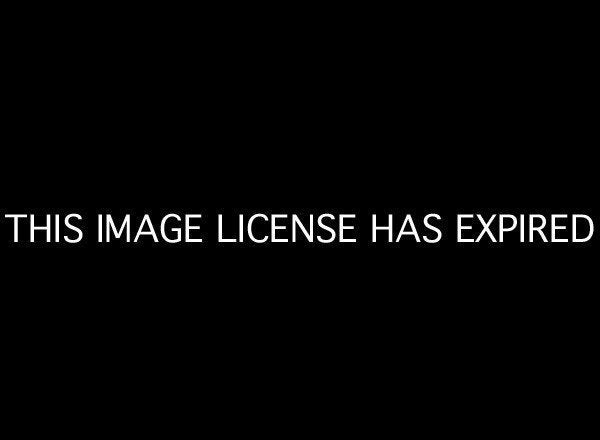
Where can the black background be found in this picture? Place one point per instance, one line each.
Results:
(386, 112)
